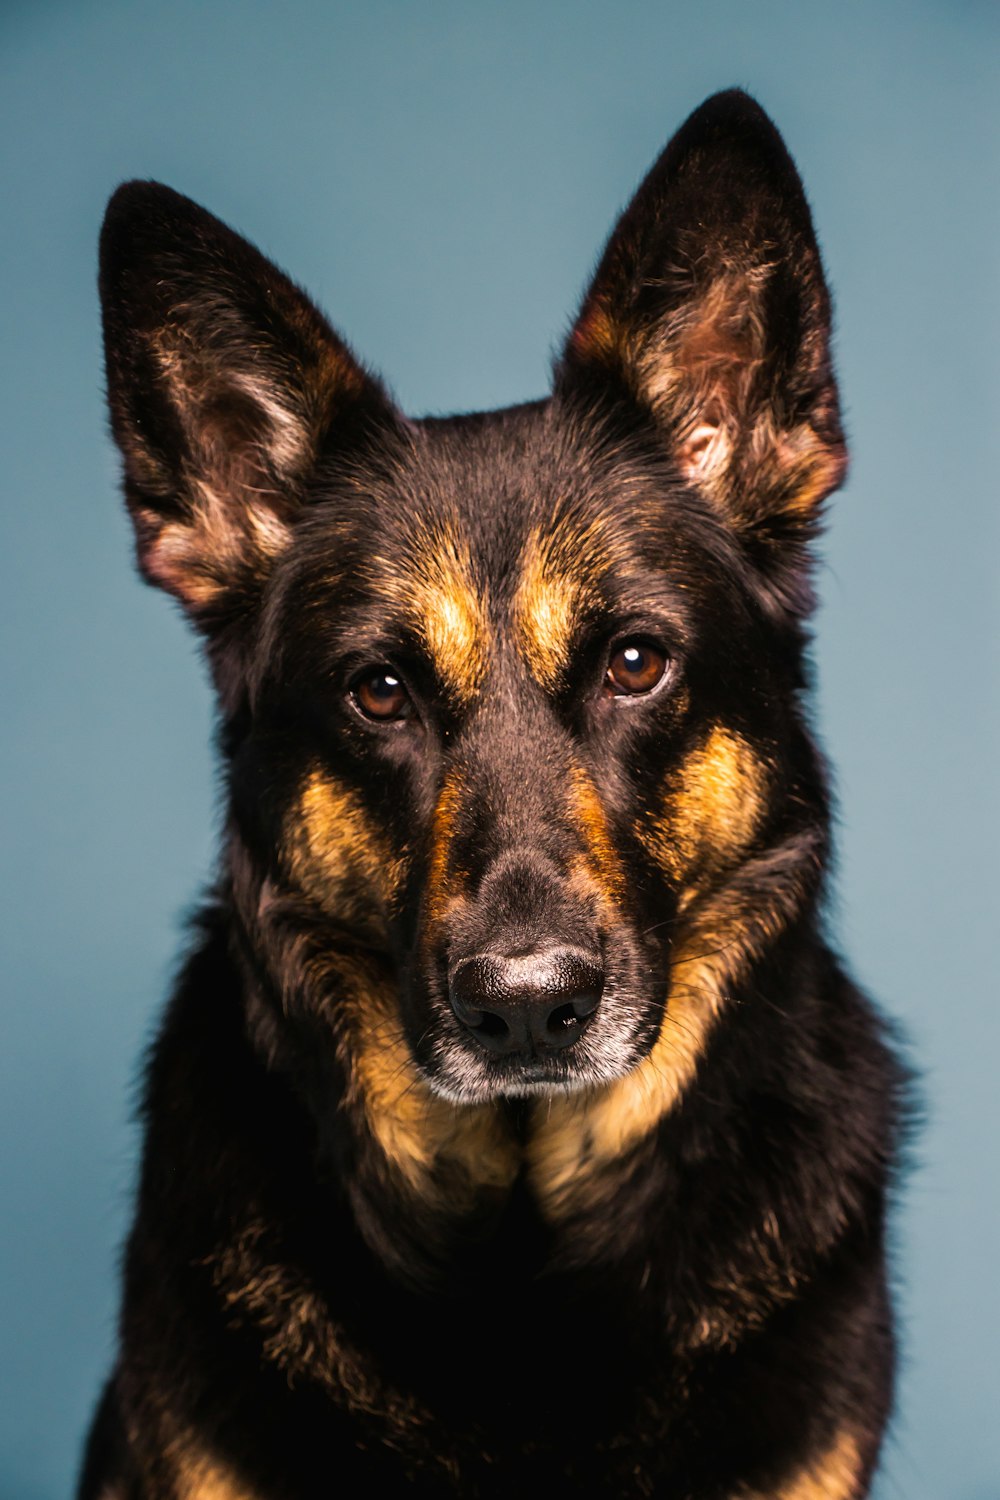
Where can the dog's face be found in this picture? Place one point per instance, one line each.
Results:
(507, 697)
(508, 705)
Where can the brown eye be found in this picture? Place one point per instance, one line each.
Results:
(635, 668)
(382, 696)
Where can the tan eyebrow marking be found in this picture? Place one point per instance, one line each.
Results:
(437, 591)
(559, 572)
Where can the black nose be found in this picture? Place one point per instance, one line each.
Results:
(528, 1004)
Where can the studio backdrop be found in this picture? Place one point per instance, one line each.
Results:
(440, 175)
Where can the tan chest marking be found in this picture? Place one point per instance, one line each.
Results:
(833, 1476)
(204, 1479)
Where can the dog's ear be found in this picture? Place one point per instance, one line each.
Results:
(225, 385)
(709, 308)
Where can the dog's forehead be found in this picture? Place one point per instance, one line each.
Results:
(499, 532)
(499, 479)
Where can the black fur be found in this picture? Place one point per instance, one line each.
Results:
(374, 1245)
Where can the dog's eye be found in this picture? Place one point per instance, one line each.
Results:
(380, 695)
(635, 667)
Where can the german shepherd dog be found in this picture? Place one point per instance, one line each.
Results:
(512, 1128)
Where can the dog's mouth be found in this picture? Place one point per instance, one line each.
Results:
(555, 1020)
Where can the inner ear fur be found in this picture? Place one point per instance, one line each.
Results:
(225, 384)
(709, 307)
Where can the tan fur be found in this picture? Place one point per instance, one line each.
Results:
(336, 855)
(558, 571)
(711, 809)
(442, 885)
(445, 603)
(834, 1476)
(577, 1134)
(599, 335)
(251, 436)
(258, 1286)
(195, 1471)
(204, 1478)
(422, 1136)
(417, 1130)
(699, 374)
(197, 559)
(602, 860)
(759, 1278)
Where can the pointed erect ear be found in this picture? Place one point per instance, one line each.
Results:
(709, 307)
(225, 386)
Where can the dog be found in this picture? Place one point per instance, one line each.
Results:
(513, 1126)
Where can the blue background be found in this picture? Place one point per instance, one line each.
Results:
(441, 176)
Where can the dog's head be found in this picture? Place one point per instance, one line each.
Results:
(506, 698)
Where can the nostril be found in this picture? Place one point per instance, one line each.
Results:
(561, 1019)
(490, 1025)
(565, 1022)
(491, 1029)
(585, 1005)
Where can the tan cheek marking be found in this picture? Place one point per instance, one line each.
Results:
(335, 854)
(835, 1476)
(711, 811)
(441, 882)
(333, 846)
(603, 860)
